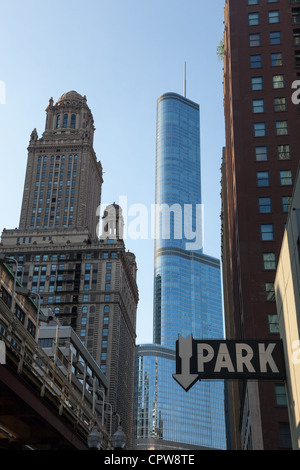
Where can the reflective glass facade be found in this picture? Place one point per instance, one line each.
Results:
(177, 182)
(166, 417)
(187, 296)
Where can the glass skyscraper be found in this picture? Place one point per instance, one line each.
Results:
(187, 295)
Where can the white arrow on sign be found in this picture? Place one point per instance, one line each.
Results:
(185, 379)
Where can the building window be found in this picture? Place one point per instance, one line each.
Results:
(269, 261)
(257, 83)
(280, 395)
(279, 104)
(252, 2)
(286, 178)
(285, 441)
(282, 128)
(255, 61)
(286, 203)
(296, 37)
(276, 59)
(258, 106)
(297, 59)
(254, 40)
(106, 309)
(273, 324)
(261, 154)
(295, 15)
(267, 232)
(65, 121)
(270, 291)
(275, 37)
(73, 121)
(265, 206)
(259, 129)
(274, 16)
(253, 19)
(278, 81)
(284, 152)
(262, 178)
(58, 121)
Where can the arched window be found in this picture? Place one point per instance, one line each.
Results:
(106, 308)
(73, 121)
(65, 122)
(58, 121)
(84, 309)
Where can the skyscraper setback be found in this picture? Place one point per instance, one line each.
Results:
(187, 295)
(261, 63)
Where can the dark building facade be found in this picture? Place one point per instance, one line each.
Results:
(260, 160)
(89, 282)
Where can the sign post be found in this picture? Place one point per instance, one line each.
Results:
(2, 353)
(227, 359)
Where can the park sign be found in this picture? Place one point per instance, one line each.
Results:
(227, 359)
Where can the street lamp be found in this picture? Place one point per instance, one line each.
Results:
(94, 439)
(6, 258)
(119, 439)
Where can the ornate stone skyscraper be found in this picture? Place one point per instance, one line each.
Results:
(88, 282)
(63, 177)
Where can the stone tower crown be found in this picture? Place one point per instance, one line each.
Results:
(70, 115)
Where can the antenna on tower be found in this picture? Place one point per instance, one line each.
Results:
(184, 83)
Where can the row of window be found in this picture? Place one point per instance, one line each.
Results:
(254, 17)
(265, 204)
(276, 60)
(66, 121)
(258, 105)
(256, 2)
(55, 256)
(274, 39)
(283, 152)
(277, 82)
(53, 158)
(281, 128)
(263, 178)
(106, 311)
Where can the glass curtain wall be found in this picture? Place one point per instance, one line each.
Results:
(187, 295)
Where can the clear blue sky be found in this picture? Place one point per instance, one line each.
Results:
(122, 55)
